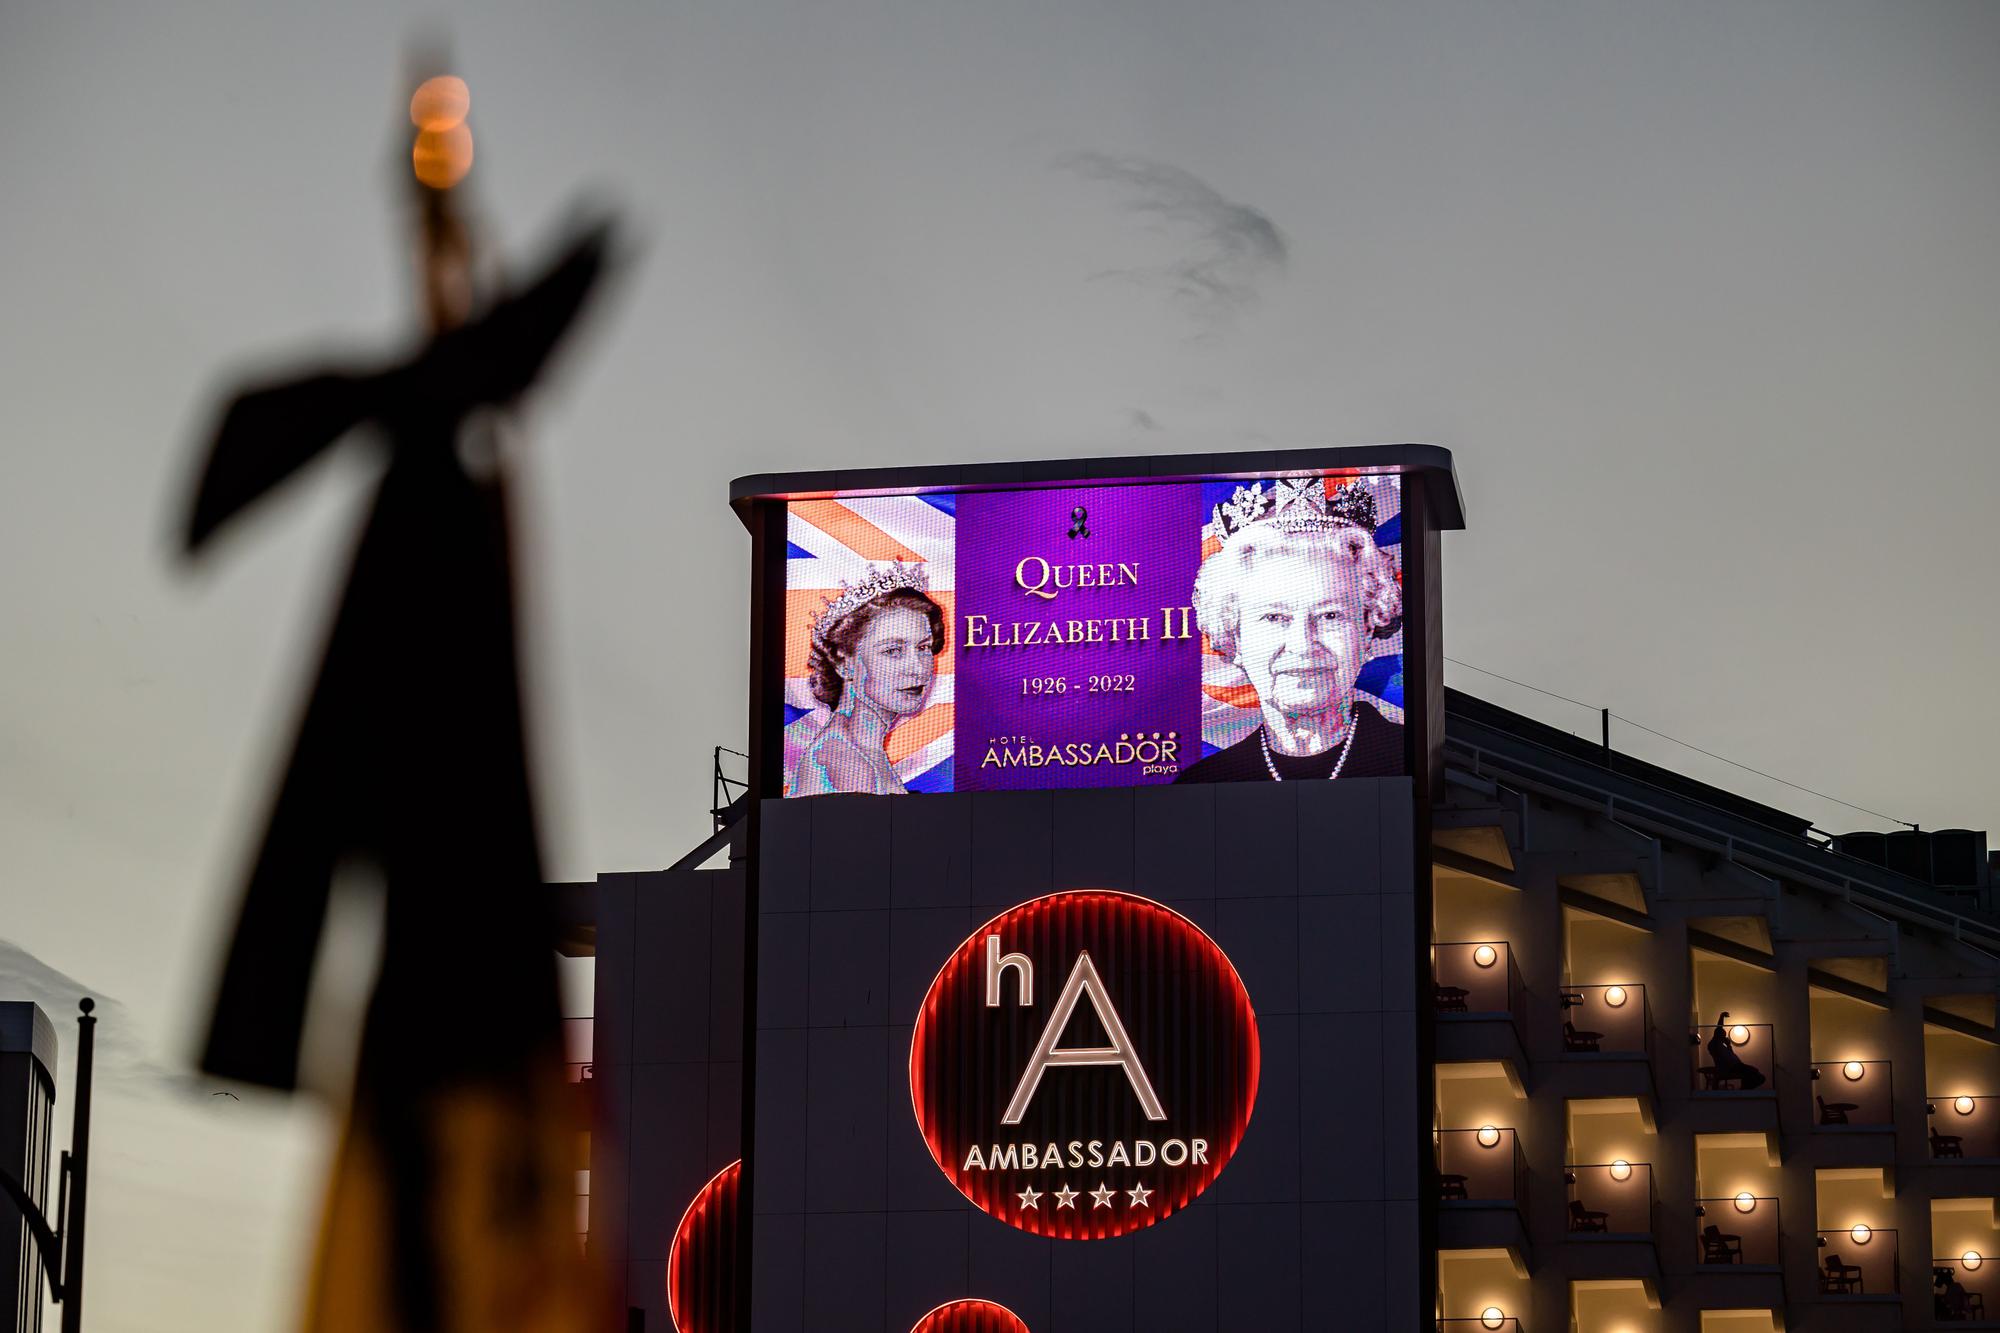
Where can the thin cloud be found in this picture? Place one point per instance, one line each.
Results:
(120, 1055)
(1229, 247)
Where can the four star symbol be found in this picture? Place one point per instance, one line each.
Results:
(1031, 1197)
(1065, 1196)
(1140, 1195)
(1103, 1195)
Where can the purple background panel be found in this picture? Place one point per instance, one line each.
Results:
(1156, 529)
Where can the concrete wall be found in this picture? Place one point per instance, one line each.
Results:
(1307, 888)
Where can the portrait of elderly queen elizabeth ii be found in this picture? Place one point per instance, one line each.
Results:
(872, 664)
(1299, 598)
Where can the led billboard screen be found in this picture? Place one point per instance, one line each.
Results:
(1103, 635)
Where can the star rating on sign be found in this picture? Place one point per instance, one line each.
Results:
(1102, 1194)
(1140, 1195)
(1030, 1197)
(1065, 1196)
(1101, 1197)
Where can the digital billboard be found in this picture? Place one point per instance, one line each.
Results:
(1109, 634)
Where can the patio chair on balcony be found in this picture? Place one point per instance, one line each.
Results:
(1720, 1247)
(1947, 1145)
(1587, 1221)
(1449, 999)
(1451, 1186)
(1580, 1041)
(1839, 1279)
(1720, 1080)
(1834, 1113)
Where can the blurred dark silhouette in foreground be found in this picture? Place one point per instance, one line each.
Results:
(452, 1206)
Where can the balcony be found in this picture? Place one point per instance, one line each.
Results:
(1960, 1287)
(1606, 1020)
(1477, 995)
(1738, 1232)
(1857, 1261)
(1743, 1063)
(1852, 1094)
(1482, 1165)
(1964, 1127)
(1614, 1200)
(577, 1036)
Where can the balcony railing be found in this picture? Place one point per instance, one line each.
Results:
(1963, 1126)
(1480, 1324)
(1477, 977)
(1743, 1062)
(1481, 1165)
(1606, 1020)
(1857, 1261)
(1850, 1093)
(1962, 1287)
(578, 1035)
(1738, 1230)
(1610, 1199)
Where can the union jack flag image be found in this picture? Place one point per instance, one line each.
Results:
(835, 543)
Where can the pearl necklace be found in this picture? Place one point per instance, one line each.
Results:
(1264, 739)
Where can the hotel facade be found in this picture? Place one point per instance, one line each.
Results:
(1042, 979)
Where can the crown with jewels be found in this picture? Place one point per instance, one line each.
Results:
(1294, 504)
(892, 577)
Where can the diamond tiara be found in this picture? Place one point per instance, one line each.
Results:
(892, 577)
(1294, 504)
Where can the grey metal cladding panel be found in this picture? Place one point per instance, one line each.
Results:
(1341, 1252)
(778, 1277)
(1340, 954)
(785, 854)
(850, 851)
(1258, 1258)
(848, 969)
(783, 967)
(1173, 842)
(1261, 937)
(1266, 1166)
(930, 862)
(610, 1159)
(670, 968)
(927, 1264)
(669, 1159)
(1398, 832)
(1090, 1287)
(912, 1179)
(920, 940)
(1011, 1267)
(779, 1179)
(847, 1092)
(846, 1257)
(1093, 839)
(1341, 1059)
(1399, 951)
(1400, 1258)
(1340, 847)
(611, 993)
(725, 1115)
(1173, 1272)
(726, 925)
(1202, 912)
(1403, 1145)
(1256, 853)
(1012, 852)
(646, 1287)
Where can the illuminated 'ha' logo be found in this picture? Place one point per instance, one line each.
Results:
(1106, 1106)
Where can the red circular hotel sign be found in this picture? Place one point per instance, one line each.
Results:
(971, 1317)
(701, 1264)
(1084, 1065)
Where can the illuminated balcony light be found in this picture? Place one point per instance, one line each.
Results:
(1739, 1035)
(1488, 1136)
(1746, 1202)
(1621, 1170)
(1614, 996)
(1861, 1232)
(1971, 1259)
(1486, 955)
(1853, 1070)
(1962, 1105)
(1492, 1316)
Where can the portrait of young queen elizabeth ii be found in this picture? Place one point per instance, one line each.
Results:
(1299, 598)
(871, 666)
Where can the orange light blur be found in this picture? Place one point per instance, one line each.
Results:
(440, 103)
(442, 157)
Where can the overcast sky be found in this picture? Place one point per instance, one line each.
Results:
(1705, 297)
